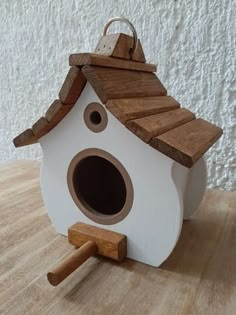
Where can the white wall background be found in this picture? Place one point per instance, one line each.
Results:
(193, 42)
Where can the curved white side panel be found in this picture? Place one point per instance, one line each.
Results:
(195, 187)
(155, 220)
(190, 184)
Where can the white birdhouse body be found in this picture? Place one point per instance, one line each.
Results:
(154, 220)
(119, 153)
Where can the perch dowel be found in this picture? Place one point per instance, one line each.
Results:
(91, 240)
(70, 264)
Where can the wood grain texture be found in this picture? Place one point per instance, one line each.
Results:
(187, 143)
(198, 277)
(69, 93)
(110, 62)
(119, 45)
(132, 108)
(41, 127)
(71, 263)
(73, 86)
(27, 137)
(148, 127)
(109, 244)
(111, 83)
(57, 111)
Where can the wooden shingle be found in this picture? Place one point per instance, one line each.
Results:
(132, 108)
(187, 143)
(111, 83)
(148, 127)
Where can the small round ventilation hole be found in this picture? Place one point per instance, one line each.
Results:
(95, 118)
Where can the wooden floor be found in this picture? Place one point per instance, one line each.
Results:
(198, 278)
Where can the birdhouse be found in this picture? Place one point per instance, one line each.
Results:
(119, 153)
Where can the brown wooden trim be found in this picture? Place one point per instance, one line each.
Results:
(110, 62)
(85, 208)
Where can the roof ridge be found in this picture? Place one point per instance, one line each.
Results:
(94, 59)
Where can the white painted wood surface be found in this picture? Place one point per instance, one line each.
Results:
(155, 220)
(191, 185)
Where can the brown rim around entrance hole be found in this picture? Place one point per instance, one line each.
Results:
(100, 186)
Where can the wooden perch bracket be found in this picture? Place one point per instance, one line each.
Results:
(91, 240)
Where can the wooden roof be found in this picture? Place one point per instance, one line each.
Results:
(135, 96)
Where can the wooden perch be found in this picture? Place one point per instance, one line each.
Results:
(64, 269)
(92, 240)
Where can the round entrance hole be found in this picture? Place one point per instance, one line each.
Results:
(100, 186)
